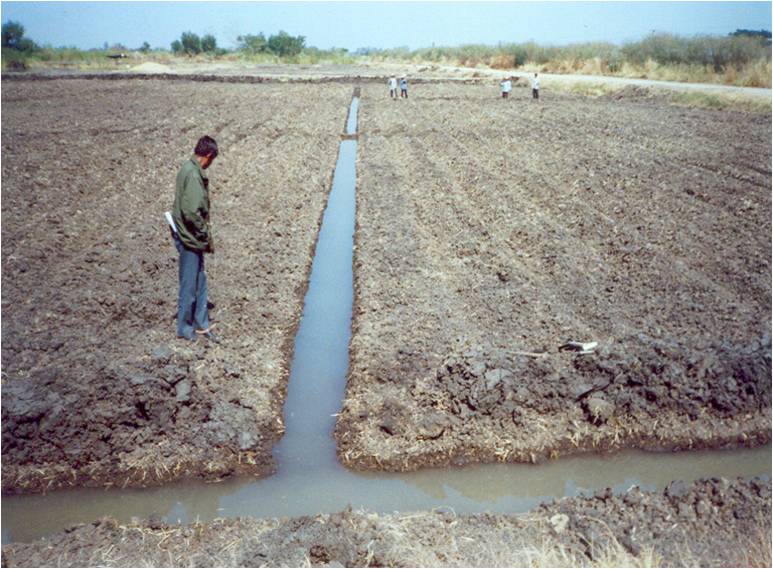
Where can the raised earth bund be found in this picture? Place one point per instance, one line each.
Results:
(710, 523)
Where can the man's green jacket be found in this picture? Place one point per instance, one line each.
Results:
(191, 207)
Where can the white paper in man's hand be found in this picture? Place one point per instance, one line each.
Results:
(170, 221)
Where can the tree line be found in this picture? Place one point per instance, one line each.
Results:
(281, 44)
(739, 48)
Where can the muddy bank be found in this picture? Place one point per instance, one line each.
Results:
(709, 523)
(96, 390)
(491, 232)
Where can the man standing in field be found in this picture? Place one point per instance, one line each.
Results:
(193, 237)
(535, 87)
(403, 87)
(393, 87)
(506, 87)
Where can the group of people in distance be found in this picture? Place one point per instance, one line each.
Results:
(393, 87)
(506, 85)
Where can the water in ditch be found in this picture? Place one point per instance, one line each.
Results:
(310, 480)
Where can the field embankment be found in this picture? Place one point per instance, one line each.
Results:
(96, 390)
(713, 523)
(491, 232)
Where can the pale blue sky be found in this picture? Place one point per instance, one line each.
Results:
(378, 24)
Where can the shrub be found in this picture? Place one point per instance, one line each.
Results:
(14, 60)
(719, 52)
(285, 45)
(191, 43)
(208, 44)
(252, 43)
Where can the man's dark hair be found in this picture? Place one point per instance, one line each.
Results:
(206, 146)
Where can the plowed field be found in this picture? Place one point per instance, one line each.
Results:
(96, 389)
(491, 232)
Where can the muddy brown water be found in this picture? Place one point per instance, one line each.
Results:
(310, 480)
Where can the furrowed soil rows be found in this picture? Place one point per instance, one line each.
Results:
(490, 232)
(96, 390)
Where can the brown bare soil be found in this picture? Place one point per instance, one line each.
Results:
(491, 232)
(96, 390)
(710, 523)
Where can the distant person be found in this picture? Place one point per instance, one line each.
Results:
(506, 86)
(392, 87)
(535, 87)
(192, 238)
(403, 87)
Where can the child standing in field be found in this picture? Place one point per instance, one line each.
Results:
(506, 86)
(392, 87)
(403, 87)
(535, 87)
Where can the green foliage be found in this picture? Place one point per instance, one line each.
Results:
(311, 55)
(12, 34)
(47, 55)
(712, 54)
(285, 45)
(208, 44)
(763, 34)
(13, 37)
(718, 52)
(282, 45)
(145, 47)
(252, 43)
(191, 43)
(14, 59)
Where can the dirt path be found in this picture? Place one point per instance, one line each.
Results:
(711, 523)
(756, 92)
(550, 79)
(491, 230)
(96, 390)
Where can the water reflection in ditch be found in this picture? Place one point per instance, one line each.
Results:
(309, 478)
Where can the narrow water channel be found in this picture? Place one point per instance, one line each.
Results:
(309, 479)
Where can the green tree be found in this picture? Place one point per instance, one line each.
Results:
(13, 32)
(252, 43)
(177, 47)
(145, 47)
(208, 43)
(764, 34)
(13, 37)
(191, 43)
(285, 45)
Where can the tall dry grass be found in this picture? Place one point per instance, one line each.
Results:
(731, 60)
